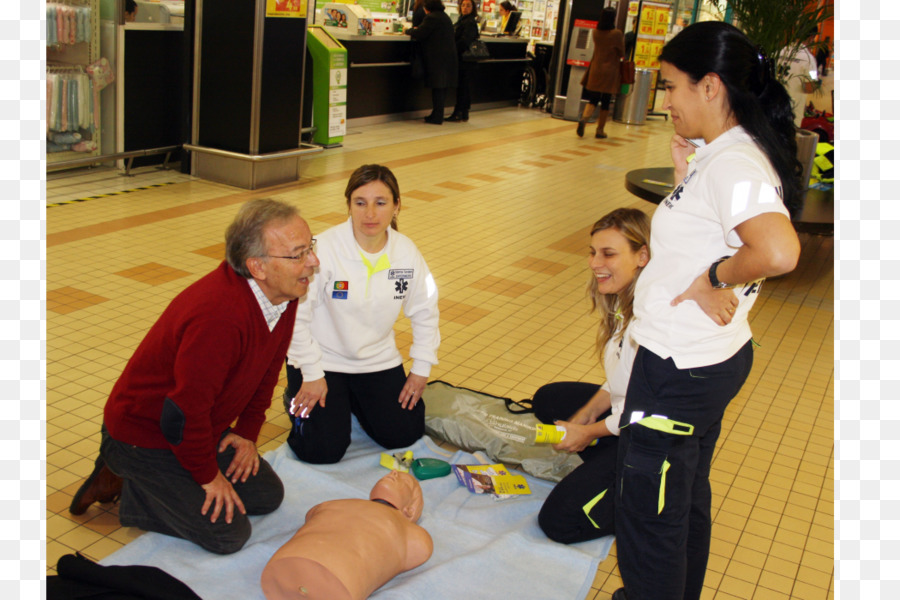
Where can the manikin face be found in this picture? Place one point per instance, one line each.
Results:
(371, 209)
(613, 262)
(684, 100)
(403, 491)
(283, 279)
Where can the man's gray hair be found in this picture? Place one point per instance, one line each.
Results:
(244, 238)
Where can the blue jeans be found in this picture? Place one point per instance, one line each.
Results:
(158, 494)
(663, 495)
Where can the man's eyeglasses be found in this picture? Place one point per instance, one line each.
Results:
(303, 253)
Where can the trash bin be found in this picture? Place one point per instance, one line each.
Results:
(631, 108)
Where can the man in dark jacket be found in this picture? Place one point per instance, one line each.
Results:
(439, 49)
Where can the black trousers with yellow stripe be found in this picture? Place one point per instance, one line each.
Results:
(581, 507)
(663, 502)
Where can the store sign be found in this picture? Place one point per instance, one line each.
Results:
(286, 8)
(337, 95)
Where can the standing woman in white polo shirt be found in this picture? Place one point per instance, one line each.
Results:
(343, 359)
(720, 233)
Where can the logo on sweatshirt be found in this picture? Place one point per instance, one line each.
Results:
(400, 273)
(341, 289)
(400, 286)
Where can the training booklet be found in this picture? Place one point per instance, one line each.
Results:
(491, 479)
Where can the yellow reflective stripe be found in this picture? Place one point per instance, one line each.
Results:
(587, 507)
(381, 264)
(666, 425)
(662, 486)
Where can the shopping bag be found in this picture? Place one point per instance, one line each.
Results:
(626, 71)
(101, 72)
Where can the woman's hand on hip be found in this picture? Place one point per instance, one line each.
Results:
(412, 391)
(719, 305)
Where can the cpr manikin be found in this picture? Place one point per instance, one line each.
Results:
(349, 548)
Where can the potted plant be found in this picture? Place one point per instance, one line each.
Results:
(782, 28)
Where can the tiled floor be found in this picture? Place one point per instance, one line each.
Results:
(499, 206)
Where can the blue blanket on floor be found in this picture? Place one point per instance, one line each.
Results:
(483, 548)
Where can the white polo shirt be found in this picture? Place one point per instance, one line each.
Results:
(728, 182)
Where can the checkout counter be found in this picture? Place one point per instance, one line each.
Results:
(380, 86)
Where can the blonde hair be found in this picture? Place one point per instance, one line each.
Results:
(634, 225)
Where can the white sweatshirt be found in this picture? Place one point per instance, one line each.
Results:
(618, 358)
(346, 321)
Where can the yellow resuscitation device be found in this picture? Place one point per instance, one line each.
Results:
(551, 434)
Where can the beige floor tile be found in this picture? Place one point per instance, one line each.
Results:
(513, 316)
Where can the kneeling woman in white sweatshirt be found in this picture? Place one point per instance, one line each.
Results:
(343, 345)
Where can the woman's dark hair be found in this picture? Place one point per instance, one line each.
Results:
(758, 101)
(366, 174)
(607, 19)
(474, 13)
(433, 5)
(508, 6)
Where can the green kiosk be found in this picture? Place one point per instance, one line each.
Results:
(329, 60)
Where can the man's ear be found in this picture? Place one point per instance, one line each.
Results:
(256, 266)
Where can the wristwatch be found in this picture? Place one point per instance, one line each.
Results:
(712, 274)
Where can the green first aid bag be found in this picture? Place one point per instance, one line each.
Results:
(474, 421)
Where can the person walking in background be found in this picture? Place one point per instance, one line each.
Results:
(343, 345)
(722, 230)
(601, 80)
(465, 32)
(582, 507)
(439, 53)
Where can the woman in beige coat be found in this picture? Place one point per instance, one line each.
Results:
(602, 78)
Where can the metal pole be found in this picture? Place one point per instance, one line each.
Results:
(563, 46)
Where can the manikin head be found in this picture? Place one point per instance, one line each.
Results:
(401, 490)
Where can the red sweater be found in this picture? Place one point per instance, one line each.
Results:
(212, 354)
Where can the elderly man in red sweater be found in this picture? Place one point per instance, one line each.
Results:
(180, 425)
